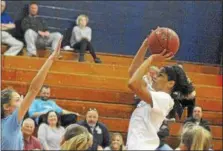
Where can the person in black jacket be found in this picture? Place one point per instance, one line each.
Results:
(197, 118)
(101, 137)
(37, 35)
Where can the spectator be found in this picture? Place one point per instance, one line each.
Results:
(76, 137)
(43, 105)
(153, 72)
(99, 131)
(116, 142)
(81, 38)
(51, 133)
(14, 107)
(163, 134)
(36, 32)
(148, 78)
(197, 118)
(7, 25)
(30, 142)
(195, 137)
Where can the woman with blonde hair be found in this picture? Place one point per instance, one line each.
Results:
(81, 38)
(116, 142)
(195, 137)
(76, 137)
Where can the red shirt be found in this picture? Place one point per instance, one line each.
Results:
(33, 143)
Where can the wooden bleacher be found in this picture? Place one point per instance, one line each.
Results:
(79, 86)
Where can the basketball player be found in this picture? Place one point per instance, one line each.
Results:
(156, 98)
(14, 107)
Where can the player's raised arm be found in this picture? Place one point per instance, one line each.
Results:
(139, 58)
(136, 82)
(37, 83)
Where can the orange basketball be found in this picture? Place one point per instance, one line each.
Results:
(163, 38)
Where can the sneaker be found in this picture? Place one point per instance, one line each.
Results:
(31, 54)
(97, 60)
(68, 48)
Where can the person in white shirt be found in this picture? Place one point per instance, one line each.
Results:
(156, 95)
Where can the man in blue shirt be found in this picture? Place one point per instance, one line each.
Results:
(42, 105)
(7, 25)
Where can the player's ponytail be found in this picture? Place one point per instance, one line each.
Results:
(6, 96)
(181, 89)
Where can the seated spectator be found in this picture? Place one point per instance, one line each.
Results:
(30, 142)
(81, 38)
(148, 78)
(195, 137)
(97, 129)
(116, 142)
(197, 118)
(51, 133)
(76, 137)
(42, 105)
(36, 32)
(7, 24)
(163, 134)
(152, 74)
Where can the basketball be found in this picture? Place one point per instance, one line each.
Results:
(163, 38)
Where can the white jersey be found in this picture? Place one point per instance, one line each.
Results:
(146, 121)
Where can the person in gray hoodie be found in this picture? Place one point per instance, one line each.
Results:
(81, 38)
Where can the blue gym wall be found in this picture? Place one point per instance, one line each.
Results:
(120, 26)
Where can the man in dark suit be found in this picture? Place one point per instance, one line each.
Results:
(101, 138)
(197, 118)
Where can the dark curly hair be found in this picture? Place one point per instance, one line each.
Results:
(6, 96)
(182, 86)
(181, 89)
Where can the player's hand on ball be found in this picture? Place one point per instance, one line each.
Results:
(163, 56)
